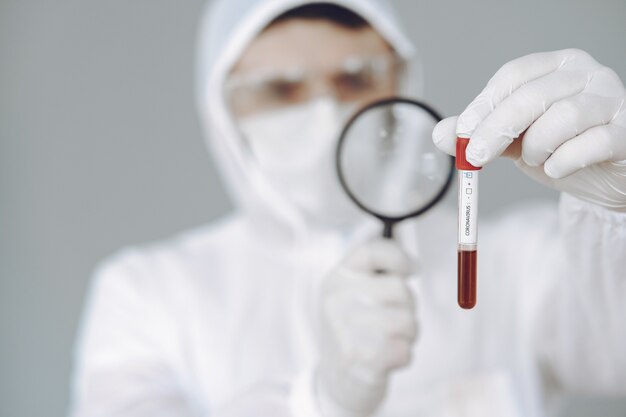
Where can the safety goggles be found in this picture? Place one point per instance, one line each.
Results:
(356, 79)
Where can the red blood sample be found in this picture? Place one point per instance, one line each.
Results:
(467, 278)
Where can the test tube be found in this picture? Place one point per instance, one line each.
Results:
(467, 225)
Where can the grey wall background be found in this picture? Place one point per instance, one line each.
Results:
(100, 146)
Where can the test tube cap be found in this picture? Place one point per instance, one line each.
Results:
(461, 162)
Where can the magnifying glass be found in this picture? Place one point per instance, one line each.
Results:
(387, 163)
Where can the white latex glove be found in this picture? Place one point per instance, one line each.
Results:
(368, 327)
(571, 114)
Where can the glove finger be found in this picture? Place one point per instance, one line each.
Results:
(379, 360)
(595, 145)
(444, 135)
(362, 332)
(564, 120)
(505, 81)
(380, 344)
(606, 83)
(517, 112)
(383, 323)
(380, 255)
(399, 353)
(396, 353)
(371, 291)
(401, 323)
(391, 291)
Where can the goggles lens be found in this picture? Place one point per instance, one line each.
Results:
(357, 79)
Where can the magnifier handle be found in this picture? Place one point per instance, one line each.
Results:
(387, 234)
(388, 230)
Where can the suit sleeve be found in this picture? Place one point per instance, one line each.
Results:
(126, 344)
(127, 356)
(580, 332)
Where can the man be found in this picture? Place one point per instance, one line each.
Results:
(277, 310)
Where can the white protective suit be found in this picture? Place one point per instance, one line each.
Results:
(222, 320)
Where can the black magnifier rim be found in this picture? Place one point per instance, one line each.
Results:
(339, 151)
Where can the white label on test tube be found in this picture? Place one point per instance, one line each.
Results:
(468, 207)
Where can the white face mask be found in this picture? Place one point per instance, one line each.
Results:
(295, 148)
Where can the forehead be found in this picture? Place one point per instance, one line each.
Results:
(310, 43)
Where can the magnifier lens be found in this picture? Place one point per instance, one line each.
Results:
(388, 161)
